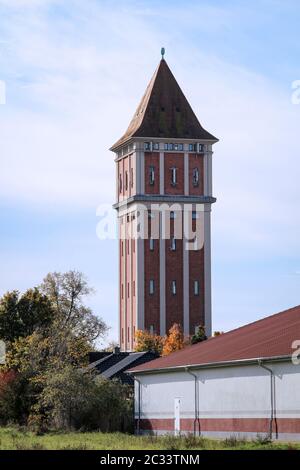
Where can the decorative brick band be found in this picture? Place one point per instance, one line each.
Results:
(258, 425)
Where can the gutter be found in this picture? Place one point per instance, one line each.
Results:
(210, 365)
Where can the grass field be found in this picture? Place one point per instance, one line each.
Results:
(11, 438)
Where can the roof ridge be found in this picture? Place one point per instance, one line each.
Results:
(226, 333)
(256, 321)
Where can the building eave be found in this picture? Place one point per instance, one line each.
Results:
(165, 199)
(212, 365)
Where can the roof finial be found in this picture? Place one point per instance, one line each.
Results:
(162, 51)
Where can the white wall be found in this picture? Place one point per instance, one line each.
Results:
(227, 392)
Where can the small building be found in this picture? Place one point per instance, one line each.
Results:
(114, 365)
(244, 382)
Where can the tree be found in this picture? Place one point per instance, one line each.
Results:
(145, 341)
(50, 332)
(218, 333)
(21, 315)
(199, 335)
(66, 292)
(73, 399)
(174, 341)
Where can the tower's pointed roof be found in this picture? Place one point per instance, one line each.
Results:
(164, 112)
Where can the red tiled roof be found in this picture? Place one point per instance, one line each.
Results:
(269, 337)
(164, 112)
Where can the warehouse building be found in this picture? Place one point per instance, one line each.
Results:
(244, 382)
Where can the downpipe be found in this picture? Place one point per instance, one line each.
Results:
(138, 428)
(272, 398)
(196, 399)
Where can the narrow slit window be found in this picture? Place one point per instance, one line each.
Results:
(173, 244)
(151, 244)
(173, 287)
(126, 180)
(151, 175)
(131, 177)
(120, 183)
(195, 177)
(196, 288)
(151, 287)
(173, 176)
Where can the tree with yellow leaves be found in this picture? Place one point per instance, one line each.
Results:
(146, 341)
(174, 341)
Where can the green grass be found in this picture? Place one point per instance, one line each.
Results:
(14, 439)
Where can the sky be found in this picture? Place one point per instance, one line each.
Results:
(73, 74)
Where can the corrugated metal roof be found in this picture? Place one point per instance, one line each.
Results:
(164, 112)
(269, 337)
(123, 364)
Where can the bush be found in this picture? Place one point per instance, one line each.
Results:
(72, 399)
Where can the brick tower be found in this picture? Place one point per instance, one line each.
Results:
(164, 184)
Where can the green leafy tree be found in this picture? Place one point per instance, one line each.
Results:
(21, 315)
(50, 332)
(66, 292)
(199, 335)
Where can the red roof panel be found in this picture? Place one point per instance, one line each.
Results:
(269, 337)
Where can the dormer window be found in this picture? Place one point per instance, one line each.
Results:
(151, 175)
(195, 177)
(173, 176)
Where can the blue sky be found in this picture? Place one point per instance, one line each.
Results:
(74, 73)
